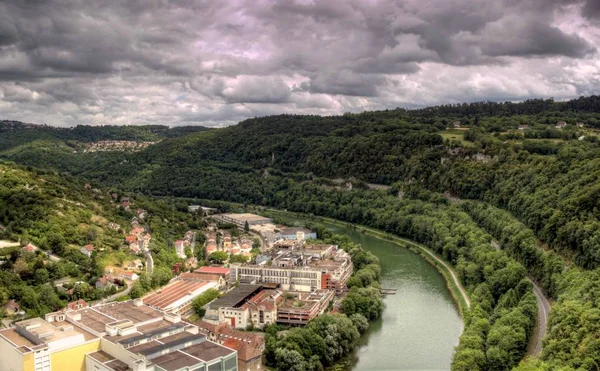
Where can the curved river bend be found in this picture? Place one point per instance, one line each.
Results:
(420, 325)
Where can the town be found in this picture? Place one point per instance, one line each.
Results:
(205, 318)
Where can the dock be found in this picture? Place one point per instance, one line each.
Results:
(388, 291)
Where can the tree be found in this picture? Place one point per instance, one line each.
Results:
(41, 276)
(203, 299)
(246, 226)
(218, 257)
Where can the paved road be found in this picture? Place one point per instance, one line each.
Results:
(454, 278)
(535, 344)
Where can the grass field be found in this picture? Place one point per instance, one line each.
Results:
(457, 135)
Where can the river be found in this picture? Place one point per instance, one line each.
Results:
(420, 325)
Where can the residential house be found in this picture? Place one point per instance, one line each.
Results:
(30, 248)
(114, 226)
(141, 213)
(456, 124)
(180, 248)
(135, 265)
(580, 124)
(523, 127)
(78, 304)
(128, 275)
(87, 250)
(561, 125)
(105, 282)
(12, 307)
(125, 203)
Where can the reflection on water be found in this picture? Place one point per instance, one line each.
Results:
(420, 325)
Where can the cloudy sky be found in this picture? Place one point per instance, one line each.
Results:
(216, 62)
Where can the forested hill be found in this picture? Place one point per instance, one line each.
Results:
(16, 133)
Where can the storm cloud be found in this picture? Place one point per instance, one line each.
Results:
(214, 63)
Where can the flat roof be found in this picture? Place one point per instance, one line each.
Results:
(213, 270)
(126, 310)
(15, 338)
(235, 297)
(149, 334)
(175, 361)
(246, 217)
(208, 351)
(288, 230)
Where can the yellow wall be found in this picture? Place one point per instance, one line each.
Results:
(73, 358)
(28, 363)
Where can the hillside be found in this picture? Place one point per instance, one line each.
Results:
(533, 166)
(51, 216)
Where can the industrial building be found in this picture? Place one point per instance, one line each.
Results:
(296, 234)
(241, 219)
(307, 269)
(178, 296)
(111, 337)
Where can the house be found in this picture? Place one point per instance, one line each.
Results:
(141, 213)
(581, 137)
(30, 248)
(177, 267)
(211, 247)
(12, 307)
(128, 275)
(580, 124)
(87, 250)
(76, 305)
(134, 247)
(191, 263)
(125, 202)
(561, 125)
(114, 226)
(180, 248)
(130, 239)
(456, 124)
(105, 282)
(135, 265)
(523, 127)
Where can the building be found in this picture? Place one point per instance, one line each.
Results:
(561, 125)
(523, 127)
(105, 282)
(219, 271)
(249, 345)
(78, 304)
(307, 269)
(87, 250)
(299, 308)
(12, 307)
(456, 124)
(135, 265)
(227, 308)
(40, 345)
(112, 337)
(241, 219)
(180, 248)
(262, 308)
(177, 297)
(30, 248)
(295, 233)
(128, 275)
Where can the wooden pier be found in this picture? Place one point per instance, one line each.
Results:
(388, 291)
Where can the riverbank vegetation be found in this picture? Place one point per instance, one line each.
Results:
(330, 337)
(538, 160)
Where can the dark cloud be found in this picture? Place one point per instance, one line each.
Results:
(519, 36)
(72, 61)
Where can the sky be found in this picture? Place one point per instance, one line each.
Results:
(218, 62)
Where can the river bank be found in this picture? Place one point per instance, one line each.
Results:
(459, 293)
(421, 323)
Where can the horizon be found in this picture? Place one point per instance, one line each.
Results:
(187, 63)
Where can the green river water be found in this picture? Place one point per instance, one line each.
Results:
(420, 325)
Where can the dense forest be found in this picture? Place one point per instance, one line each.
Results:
(452, 177)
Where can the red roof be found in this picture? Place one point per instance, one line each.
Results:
(30, 247)
(214, 270)
(130, 238)
(89, 247)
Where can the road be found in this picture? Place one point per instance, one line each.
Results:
(535, 343)
(454, 277)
